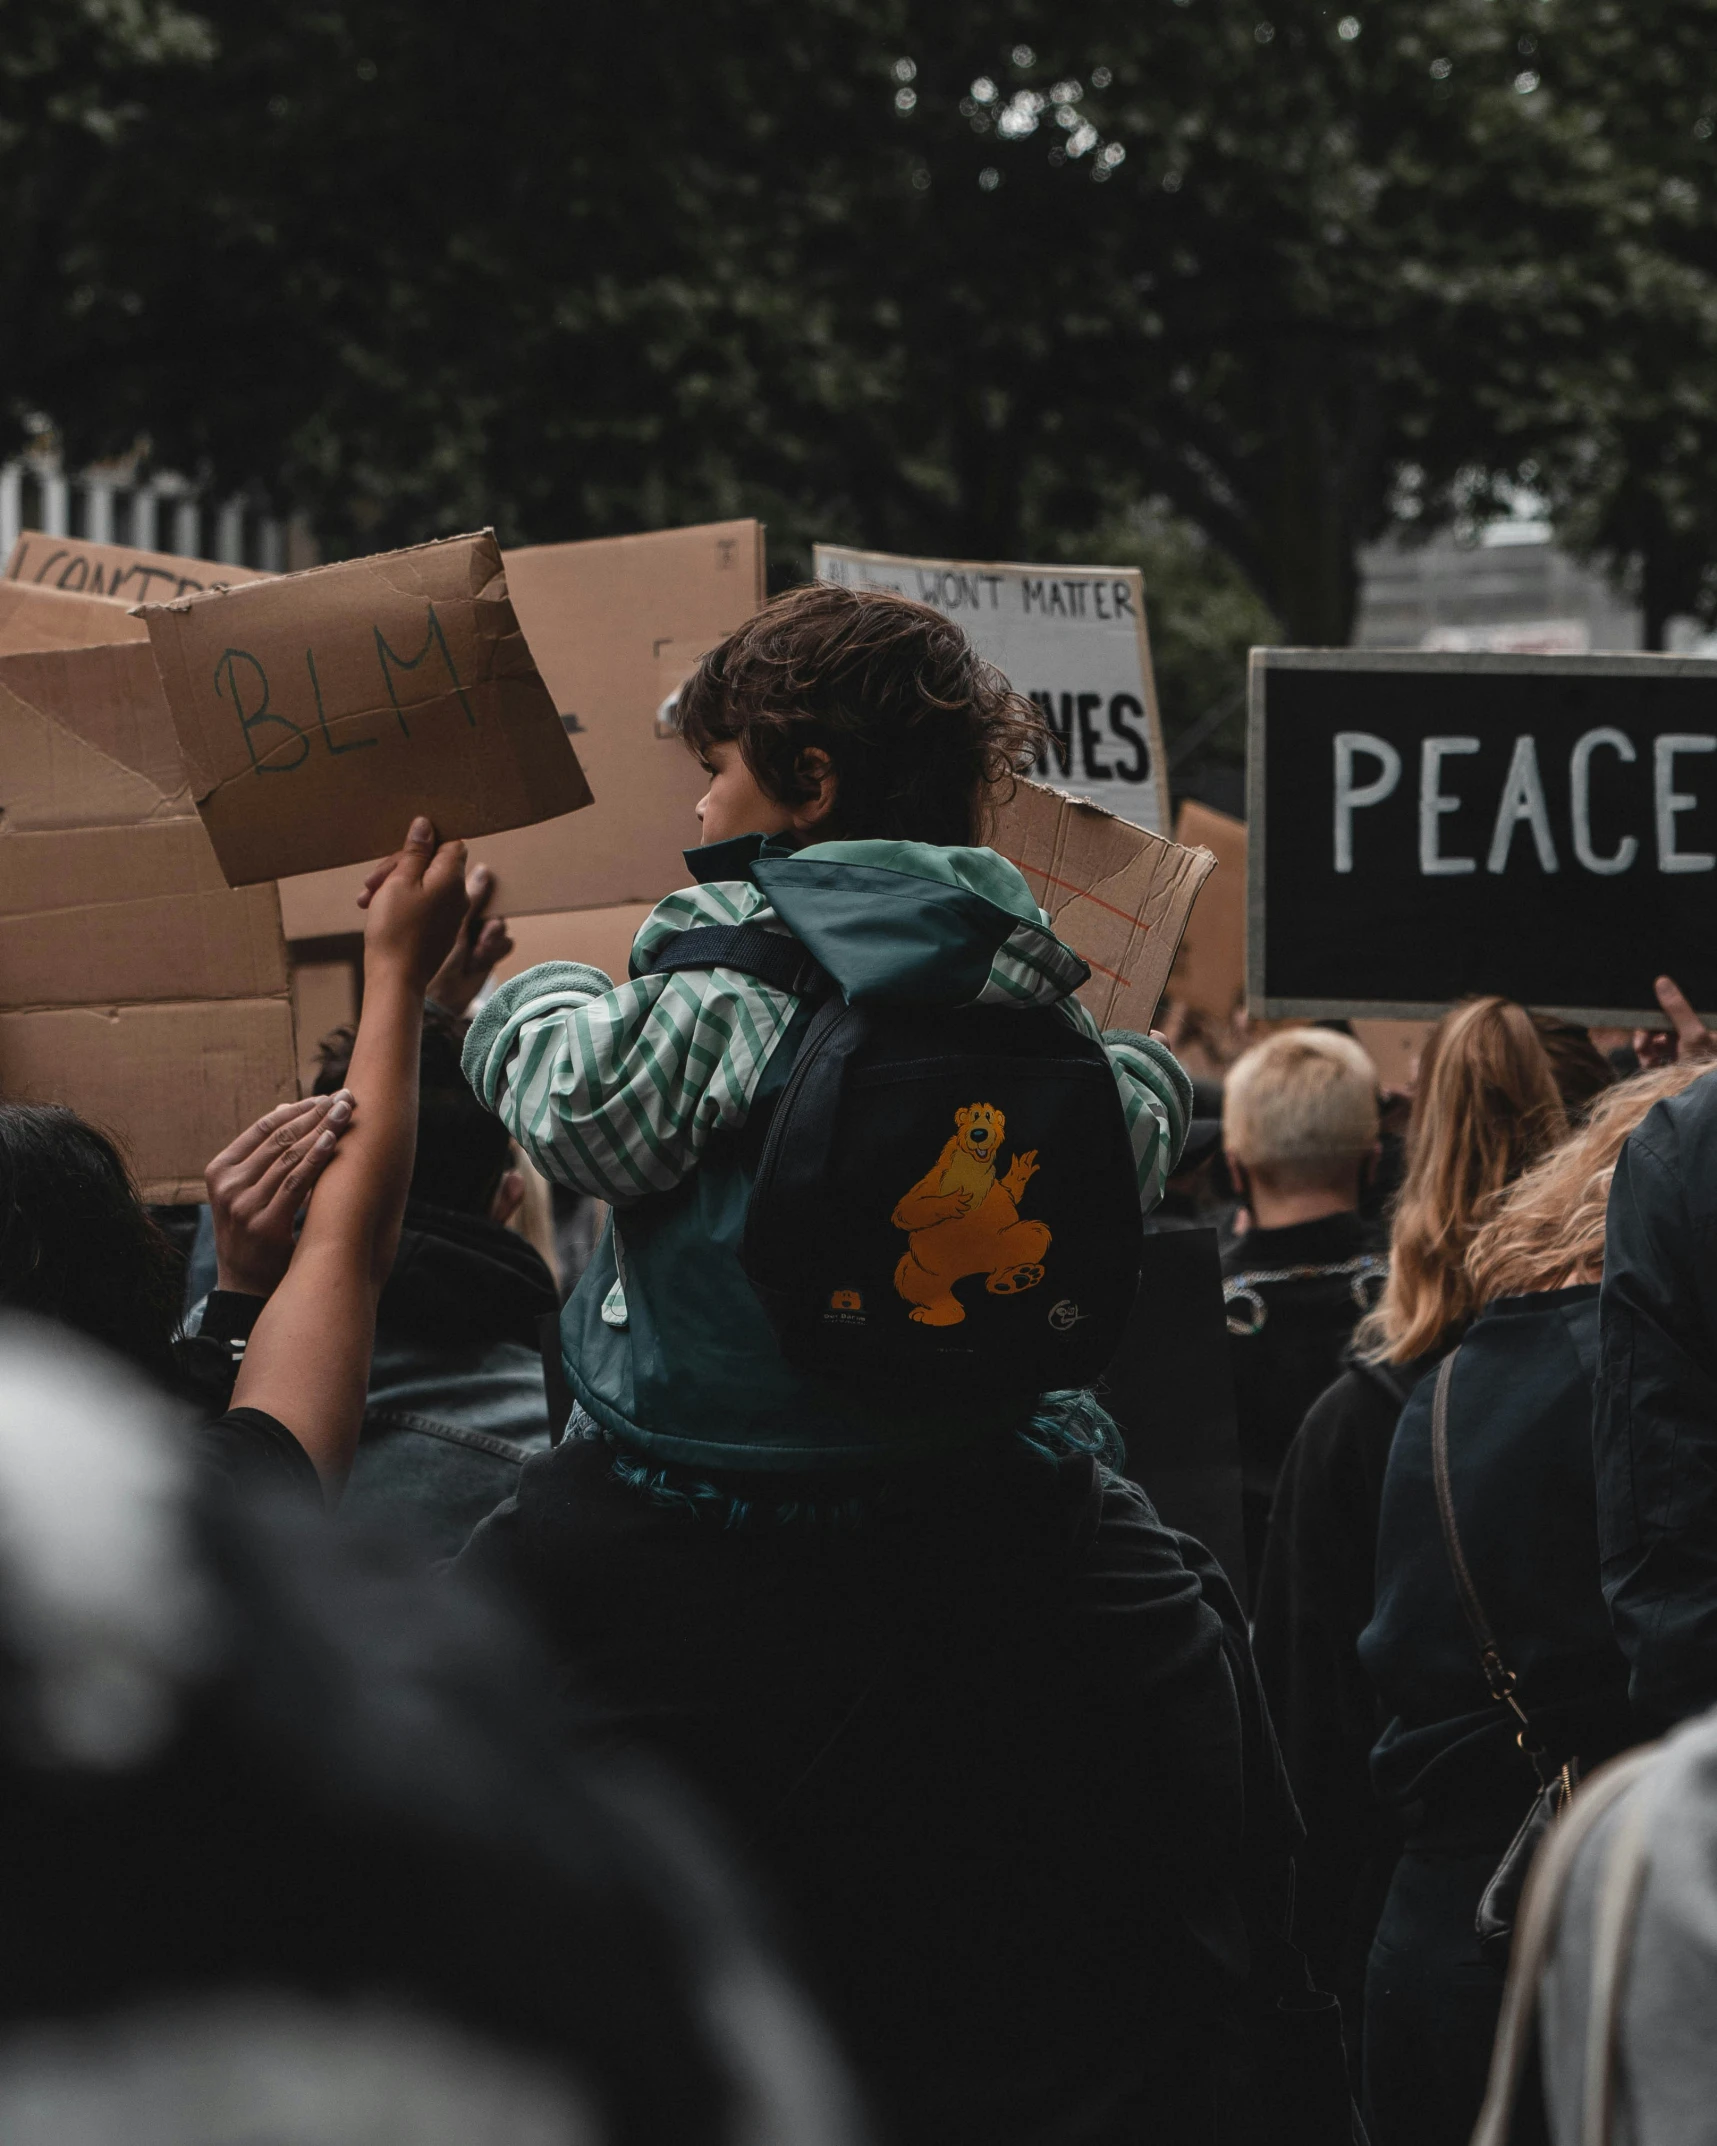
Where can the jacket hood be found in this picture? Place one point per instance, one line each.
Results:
(907, 923)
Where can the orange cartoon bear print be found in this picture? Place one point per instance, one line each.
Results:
(961, 1220)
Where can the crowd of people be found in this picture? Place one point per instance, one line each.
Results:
(435, 1710)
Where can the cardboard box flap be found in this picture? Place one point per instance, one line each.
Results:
(1118, 895)
(318, 711)
(136, 987)
(86, 740)
(171, 1084)
(118, 915)
(125, 572)
(54, 618)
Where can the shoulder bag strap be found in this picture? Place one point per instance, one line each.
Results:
(1499, 1678)
(1535, 1938)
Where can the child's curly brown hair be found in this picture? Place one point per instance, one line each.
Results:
(923, 735)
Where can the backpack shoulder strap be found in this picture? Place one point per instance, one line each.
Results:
(773, 957)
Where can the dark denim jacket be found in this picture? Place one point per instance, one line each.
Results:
(456, 1402)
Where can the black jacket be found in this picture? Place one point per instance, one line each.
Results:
(1654, 1429)
(1293, 1298)
(1520, 1476)
(456, 1402)
(998, 1745)
(1315, 1596)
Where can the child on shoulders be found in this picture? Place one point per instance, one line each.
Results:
(853, 741)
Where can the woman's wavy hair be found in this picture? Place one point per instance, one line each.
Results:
(1546, 1231)
(1485, 1108)
(76, 1242)
(923, 735)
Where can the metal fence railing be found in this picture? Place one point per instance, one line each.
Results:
(112, 505)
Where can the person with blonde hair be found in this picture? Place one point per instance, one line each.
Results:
(1461, 1764)
(1300, 1129)
(1485, 1106)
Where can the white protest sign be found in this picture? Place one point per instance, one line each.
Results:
(1074, 638)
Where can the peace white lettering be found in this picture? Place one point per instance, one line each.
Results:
(1669, 801)
(1349, 795)
(1522, 802)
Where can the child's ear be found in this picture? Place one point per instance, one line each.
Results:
(815, 766)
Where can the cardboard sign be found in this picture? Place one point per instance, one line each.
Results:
(33, 618)
(1394, 1048)
(1424, 827)
(1074, 638)
(118, 570)
(318, 712)
(1118, 895)
(1210, 970)
(136, 987)
(615, 625)
(600, 938)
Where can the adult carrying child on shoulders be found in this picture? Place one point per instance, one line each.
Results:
(831, 1528)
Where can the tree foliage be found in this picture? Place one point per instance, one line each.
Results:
(977, 277)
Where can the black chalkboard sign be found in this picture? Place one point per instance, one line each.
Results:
(1425, 827)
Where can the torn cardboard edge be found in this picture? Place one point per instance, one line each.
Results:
(1117, 894)
(198, 599)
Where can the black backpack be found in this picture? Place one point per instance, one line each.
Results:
(944, 1200)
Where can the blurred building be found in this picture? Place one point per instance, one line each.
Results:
(1511, 592)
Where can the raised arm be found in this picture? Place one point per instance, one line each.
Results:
(308, 1360)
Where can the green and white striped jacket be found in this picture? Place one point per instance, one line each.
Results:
(616, 1089)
